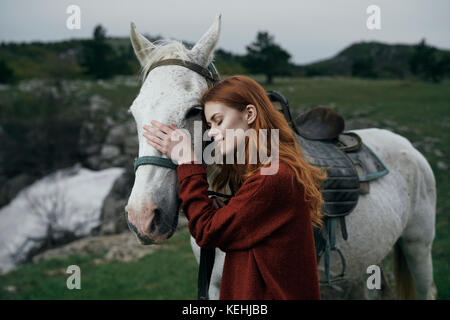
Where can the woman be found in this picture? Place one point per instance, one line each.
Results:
(266, 228)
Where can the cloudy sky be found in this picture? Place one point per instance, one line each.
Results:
(308, 30)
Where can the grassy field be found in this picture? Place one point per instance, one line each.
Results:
(170, 273)
(419, 111)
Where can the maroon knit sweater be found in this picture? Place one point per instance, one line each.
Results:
(265, 231)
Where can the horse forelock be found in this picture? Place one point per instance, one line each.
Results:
(154, 91)
(165, 49)
(167, 93)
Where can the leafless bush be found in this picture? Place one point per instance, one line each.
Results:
(52, 207)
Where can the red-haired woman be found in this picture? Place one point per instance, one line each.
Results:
(266, 228)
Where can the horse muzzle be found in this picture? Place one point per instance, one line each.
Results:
(148, 224)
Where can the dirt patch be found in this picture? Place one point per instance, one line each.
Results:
(120, 247)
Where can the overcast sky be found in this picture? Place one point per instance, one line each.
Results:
(308, 30)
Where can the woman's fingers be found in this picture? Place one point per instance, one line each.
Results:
(154, 142)
(154, 145)
(216, 205)
(153, 138)
(160, 142)
(156, 132)
(220, 203)
(161, 126)
(164, 131)
(165, 138)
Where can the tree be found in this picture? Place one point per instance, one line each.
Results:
(364, 67)
(6, 73)
(427, 63)
(95, 54)
(100, 59)
(266, 57)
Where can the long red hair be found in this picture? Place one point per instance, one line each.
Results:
(239, 91)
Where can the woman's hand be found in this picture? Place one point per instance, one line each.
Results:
(170, 141)
(217, 203)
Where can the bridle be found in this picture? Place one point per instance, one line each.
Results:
(210, 73)
(212, 77)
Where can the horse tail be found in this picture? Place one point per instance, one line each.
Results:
(404, 283)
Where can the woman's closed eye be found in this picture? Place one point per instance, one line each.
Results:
(208, 125)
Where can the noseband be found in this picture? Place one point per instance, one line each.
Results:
(212, 77)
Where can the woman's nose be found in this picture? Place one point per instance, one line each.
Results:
(212, 133)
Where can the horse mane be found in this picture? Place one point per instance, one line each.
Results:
(164, 49)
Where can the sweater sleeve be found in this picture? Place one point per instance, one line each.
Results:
(255, 212)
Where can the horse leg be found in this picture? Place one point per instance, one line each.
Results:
(216, 276)
(417, 255)
(414, 245)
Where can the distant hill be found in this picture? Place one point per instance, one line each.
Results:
(62, 60)
(367, 59)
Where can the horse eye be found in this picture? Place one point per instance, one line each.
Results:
(192, 112)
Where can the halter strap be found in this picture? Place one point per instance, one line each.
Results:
(211, 76)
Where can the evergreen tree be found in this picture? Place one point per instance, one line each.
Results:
(6, 73)
(266, 57)
(100, 60)
(427, 64)
(364, 67)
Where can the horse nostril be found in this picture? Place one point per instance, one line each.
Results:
(156, 220)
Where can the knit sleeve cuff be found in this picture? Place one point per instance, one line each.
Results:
(189, 169)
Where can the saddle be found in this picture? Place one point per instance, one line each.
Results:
(349, 163)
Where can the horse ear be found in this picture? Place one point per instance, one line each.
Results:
(141, 45)
(202, 51)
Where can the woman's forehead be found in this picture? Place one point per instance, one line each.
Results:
(213, 107)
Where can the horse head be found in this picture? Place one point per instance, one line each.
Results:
(169, 93)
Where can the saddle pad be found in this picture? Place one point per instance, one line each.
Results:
(368, 165)
(341, 189)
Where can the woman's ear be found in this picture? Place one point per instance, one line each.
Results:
(250, 113)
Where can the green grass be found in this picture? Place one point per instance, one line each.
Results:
(423, 108)
(169, 273)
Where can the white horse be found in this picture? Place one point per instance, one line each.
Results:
(398, 212)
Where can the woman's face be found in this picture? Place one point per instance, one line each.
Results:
(220, 117)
